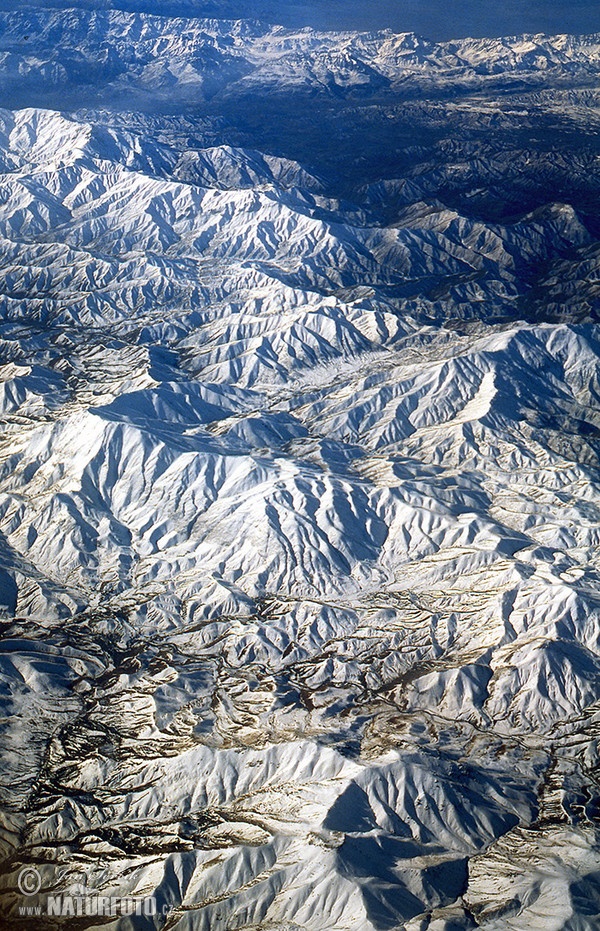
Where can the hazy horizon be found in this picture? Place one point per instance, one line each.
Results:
(438, 20)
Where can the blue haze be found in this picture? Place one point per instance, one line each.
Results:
(435, 19)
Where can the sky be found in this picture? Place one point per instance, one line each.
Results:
(442, 19)
(434, 19)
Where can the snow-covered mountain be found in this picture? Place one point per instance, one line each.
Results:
(113, 55)
(299, 521)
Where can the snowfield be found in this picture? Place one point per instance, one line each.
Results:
(299, 474)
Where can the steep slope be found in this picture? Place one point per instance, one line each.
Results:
(298, 492)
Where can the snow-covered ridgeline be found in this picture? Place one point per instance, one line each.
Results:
(156, 55)
(303, 588)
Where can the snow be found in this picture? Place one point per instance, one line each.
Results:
(298, 485)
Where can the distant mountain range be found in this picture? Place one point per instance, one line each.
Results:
(299, 473)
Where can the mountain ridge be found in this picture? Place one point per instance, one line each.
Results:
(298, 482)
